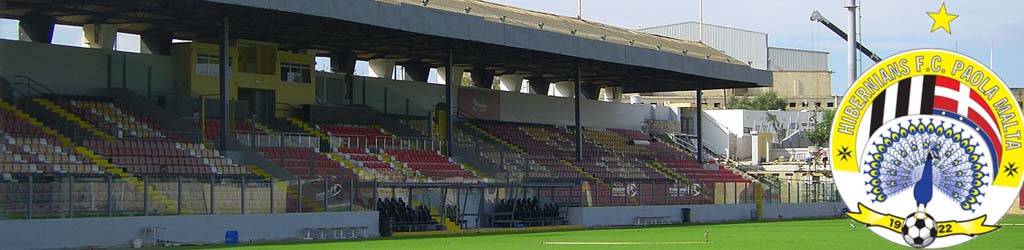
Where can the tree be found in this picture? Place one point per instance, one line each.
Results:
(822, 129)
(766, 101)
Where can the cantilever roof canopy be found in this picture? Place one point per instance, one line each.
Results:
(496, 37)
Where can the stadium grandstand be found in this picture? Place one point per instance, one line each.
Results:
(473, 116)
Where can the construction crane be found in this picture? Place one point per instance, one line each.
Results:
(817, 17)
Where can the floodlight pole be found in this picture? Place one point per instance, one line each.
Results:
(224, 119)
(579, 127)
(700, 24)
(851, 42)
(579, 9)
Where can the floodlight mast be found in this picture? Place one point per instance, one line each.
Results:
(817, 17)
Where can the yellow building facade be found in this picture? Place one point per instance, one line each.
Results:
(268, 78)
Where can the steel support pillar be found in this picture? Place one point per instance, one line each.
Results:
(449, 87)
(699, 125)
(579, 128)
(224, 117)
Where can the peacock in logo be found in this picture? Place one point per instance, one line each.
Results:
(922, 156)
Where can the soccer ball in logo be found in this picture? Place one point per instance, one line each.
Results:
(919, 230)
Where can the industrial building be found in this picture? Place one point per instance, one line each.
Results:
(802, 77)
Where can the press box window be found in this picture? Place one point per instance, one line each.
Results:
(297, 73)
(209, 65)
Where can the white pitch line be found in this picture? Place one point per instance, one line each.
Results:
(626, 243)
(1011, 224)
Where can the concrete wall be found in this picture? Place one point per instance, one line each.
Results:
(199, 229)
(529, 108)
(798, 87)
(74, 70)
(781, 211)
(515, 107)
(624, 216)
(421, 96)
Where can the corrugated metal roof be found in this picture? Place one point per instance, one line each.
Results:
(786, 59)
(745, 45)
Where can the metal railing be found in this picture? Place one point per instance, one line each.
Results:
(37, 196)
(385, 142)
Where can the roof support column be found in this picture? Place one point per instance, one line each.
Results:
(562, 89)
(100, 35)
(343, 61)
(382, 68)
(482, 78)
(156, 42)
(456, 75)
(700, 125)
(416, 72)
(590, 91)
(449, 88)
(510, 82)
(612, 94)
(224, 110)
(36, 28)
(579, 127)
(539, 86)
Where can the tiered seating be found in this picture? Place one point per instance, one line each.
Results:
(431, 164)
(304, 161)
(24, 148)
(696, 172)
(547, 157)
(109, 117)
(383, 171)
(141, 147)
(679, 162)
(615, 143)
(356, 136)
(161, 157)
(509, 161)
(213, 128)
(549, 145)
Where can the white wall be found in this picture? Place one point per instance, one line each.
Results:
(665, 113)
(735, 120)
(74, 70)
(716, 135)
(728, 126)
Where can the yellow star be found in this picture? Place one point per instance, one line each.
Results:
(942, 19)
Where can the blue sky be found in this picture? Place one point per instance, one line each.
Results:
(888, 27)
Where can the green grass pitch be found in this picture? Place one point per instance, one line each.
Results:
(809, 234)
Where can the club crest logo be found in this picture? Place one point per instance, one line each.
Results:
(926, 147)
